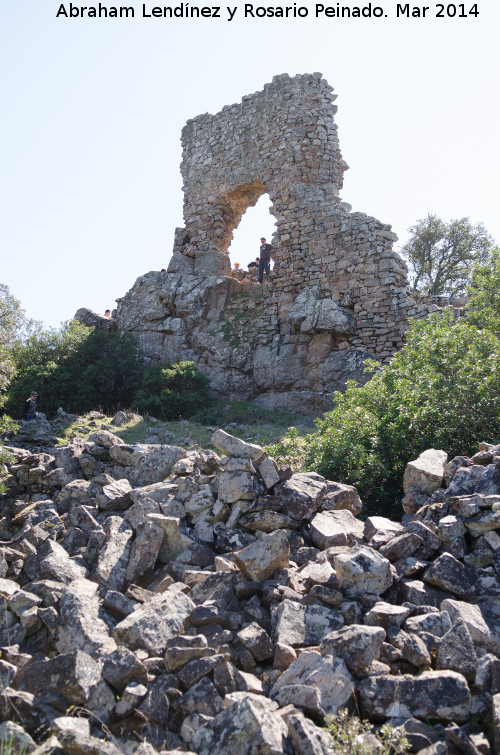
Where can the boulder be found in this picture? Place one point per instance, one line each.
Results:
(300, 625)
(246, 726)
(81, 625)
(151, 625)
(113, 557)
(426, 472)
(362, 570)
(357, 645)
(341, 496)
(74, 675)
(320, 684)
(260, 560)
(335, 528)
(302, 494)
(231, 446)
(449, 574)
(436, 696)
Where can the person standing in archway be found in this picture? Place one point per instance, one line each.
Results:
(265, 259)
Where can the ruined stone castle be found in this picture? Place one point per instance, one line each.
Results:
(338, 293)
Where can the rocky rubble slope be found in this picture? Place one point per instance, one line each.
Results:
(218, 604)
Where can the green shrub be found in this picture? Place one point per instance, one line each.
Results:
(484, 294)
(441, 390)
(171, 391)
(76, 367)
(289, 450)
(352, 736)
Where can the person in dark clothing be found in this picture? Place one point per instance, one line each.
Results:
(264, 259)
(29, 408)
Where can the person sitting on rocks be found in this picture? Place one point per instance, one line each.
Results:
(107, 313)
(29, 408)
(264, 259)
(253, 264)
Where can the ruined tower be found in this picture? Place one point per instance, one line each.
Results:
(339, 291)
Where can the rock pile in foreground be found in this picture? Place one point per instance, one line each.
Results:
(220, 604)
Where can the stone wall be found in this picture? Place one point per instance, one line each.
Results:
(338, 293)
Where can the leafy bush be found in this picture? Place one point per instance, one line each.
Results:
(76, 367)
(13, 325)
(484, 294)
(352, 736)
(170, 391)
(441, 390)
(289, 450)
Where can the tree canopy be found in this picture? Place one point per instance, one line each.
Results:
(442, 255)
(13, 323)
(76, 367)
(484, 294)
(439, 391)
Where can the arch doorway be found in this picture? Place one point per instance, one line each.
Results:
(256, 222)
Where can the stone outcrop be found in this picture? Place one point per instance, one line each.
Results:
(338, 292)
(240, 625)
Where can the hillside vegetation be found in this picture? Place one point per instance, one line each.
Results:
(441, 390)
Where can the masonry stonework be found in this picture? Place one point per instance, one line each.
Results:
(338, 293)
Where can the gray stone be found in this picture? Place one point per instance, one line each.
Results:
(362, 570)
(144, 551)
(174, 541)
(473, 619)
(75, 733)
(73, 675)
(306, 737)
(377, 524)
(81, 626)
(426, 472)
(357, 645)
(54, 561)
(261, 559)
(231, 446)
(401, 546)
(256, 639)
(321, 683)
(114, 496)
(447, 573)
(464, 481)
(483, 522)
(155, 622)
(456, 652)
(411, 645)
(148, 463)
(156, 705)
(122, 667)
(113, 557)
(415, 591)
(15, 738)
(203, 698)
(182, 649)
(437, 696)
(301, 495)
(341, 496)
(386, 615)
(235, 486)
(438, 624)
(300, 625)
(246, 726)
(335, 528)
(268, 470)
(196, 669)
(7, 674)
(495, 722)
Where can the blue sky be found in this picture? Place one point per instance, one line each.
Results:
(92, 111)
